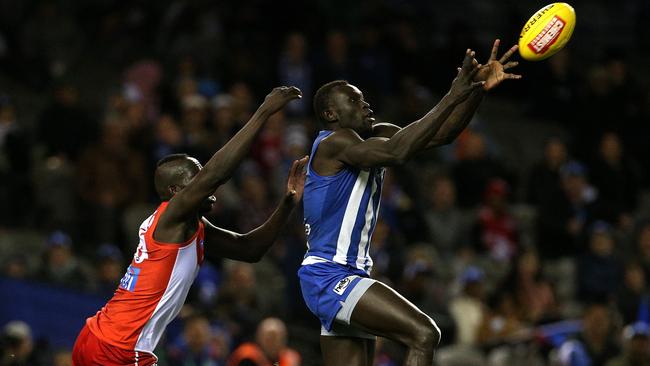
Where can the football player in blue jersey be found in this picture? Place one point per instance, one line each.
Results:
(341, 199)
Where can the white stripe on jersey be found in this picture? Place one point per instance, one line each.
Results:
(171, 302)
(350, 218)
(364, 240)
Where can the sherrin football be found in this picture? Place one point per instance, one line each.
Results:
(547, 31)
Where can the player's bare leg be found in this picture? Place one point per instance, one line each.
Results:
(351, 351)
(382, 311)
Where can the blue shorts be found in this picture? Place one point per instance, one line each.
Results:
(326, 287)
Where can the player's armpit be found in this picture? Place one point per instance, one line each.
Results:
(349, 148)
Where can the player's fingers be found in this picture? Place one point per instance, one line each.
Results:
(478, 84)
(475, 62)
(294, 168)
(511, 76)
(475, 71)
(495, 49)
(509, 53)
(467, 61)
(510, 65)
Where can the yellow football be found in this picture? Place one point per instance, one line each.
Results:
(547, 31)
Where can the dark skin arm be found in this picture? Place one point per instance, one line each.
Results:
(180, 219)
(345, 146)
(252, 246)
(493, 73)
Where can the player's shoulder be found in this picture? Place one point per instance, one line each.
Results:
(340, 139)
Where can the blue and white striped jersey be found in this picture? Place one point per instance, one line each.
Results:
(340, 213)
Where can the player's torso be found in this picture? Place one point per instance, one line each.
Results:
(152, 291)
(340, 213)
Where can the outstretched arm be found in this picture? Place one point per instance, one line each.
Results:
(252, 246)
(493, 73)
(220, 167)
(347, 147)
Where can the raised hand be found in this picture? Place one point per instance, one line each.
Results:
(279, 97)
(493, 72)
(296, 180)
(464, 82)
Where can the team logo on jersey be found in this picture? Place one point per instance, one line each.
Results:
(130, 278)
(141, 253)
(307, 229)
(342, 285)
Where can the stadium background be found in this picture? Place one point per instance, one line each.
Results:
(537, 215)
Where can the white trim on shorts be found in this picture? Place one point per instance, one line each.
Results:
(341, 326)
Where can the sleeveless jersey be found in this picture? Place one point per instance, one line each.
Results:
(341, 213)
(152, 291)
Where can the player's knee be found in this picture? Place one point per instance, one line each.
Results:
(427, 334)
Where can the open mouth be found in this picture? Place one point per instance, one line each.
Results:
(369, 116)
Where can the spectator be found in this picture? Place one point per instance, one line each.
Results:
(633, 293)
(62, 358)
(600, 273)
(61, 267)
(446, 223)
(270, 347)
(474, 169)
(468, 309)
(18, 346)
(110, 268)
(294, 68)
(105, 194)
(197, 345)
(496, 229)
(617, 180)
(16, 266)
(562, 219)
(636, 346)
(544, 180)
(595, 345)
(533, 295)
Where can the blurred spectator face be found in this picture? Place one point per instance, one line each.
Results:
(18, 339)
(242, 98)
(634, 277)
(168, 131)
(114, 135)
(528, 264)
(272, 336)
(243, 275)
(16, 267)
(555, 153)
(560, 63)
(197, 333)
(596, 322)
(186, 87)
(574, 186)
(598, 79)
(380, 235)
(63, 358)
(194, 111)
(601, 244)
(474, 147)
(110, 270)
(7, 114)
(496, 194)
(337, 46)
(443, 194)
(66, 95)
(610, 148)
(638, 349)
(223, 117)
(296, 47)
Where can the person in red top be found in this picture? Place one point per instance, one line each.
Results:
(167, 259)
(270, 347)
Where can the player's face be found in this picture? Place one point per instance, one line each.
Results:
(206, 206)
(353, 111)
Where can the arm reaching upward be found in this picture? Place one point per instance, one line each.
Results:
(493, 73)
(347, 147)
(186, 202)
(250, 247)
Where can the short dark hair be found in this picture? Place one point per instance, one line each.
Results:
(172, 170)
(171, 157)
(322, 98)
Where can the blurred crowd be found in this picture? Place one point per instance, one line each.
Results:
(527, 239)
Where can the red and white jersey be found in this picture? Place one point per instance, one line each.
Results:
(152, 291)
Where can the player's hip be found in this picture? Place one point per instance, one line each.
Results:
(91, 351)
